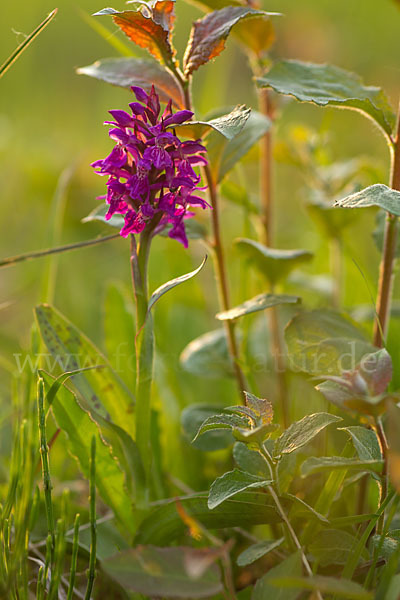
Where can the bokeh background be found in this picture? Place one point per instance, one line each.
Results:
(51, 120)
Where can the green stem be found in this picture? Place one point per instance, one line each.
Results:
(74, 558)
(266, 169)
(389, 252)
(385, 475)
(222, 282)
(92, 515)
(144, 352)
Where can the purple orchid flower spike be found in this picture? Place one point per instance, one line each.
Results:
(151, 180)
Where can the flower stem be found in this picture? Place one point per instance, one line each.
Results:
(144, 353)
(44, 453)
(222, 281)
(389, 251)
(384, 477)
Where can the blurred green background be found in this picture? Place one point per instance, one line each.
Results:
(51, 119)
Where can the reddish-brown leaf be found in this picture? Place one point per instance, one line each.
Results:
(149, 27)
(208, 35)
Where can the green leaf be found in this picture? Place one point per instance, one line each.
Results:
(365, 442)
(303, 510)
(328, 463)
(274, 264)
(302, 432)
(208, 35)
(260, 302)
(327, 85)
(149, 27)
(193, 417)
(126, 72)
(208, 356)
(375, 195)
(344, 588)
(109, 539)
(251, 461)
(222, 422)
(256, 551)
(165, 572)
(101, 390)
(99, 214)
(223, 155)
(231, 483)
(166, 287)
(387, 548)
(119, 332)
(265, 588)
(323, 342)
(238, 194)
(164, 525)
(333, 546)
(228, 126)
(79, 429)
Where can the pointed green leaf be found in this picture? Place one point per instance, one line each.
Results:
(166, 287)
(257, 551)
(274, 264)
(222, 422)
(327, 85)
(265, 588)
(79, 429)
(101, 390)
(193, 417)
(365, 442)
(379, 195)
(228, 126)
(99, 214)
(165, 572)
(303, 510)
(323, 342)
(260, 302)
(208, 356)
(251, 461)
(126, 72)
(343, 588)
(328, 463)
(232, 483)
(164, 524)
(303, 431)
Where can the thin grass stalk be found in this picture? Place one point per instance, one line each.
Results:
(39, 584)
(385, 472)
(59, 555)
(389, 251)
(44, 453)
(24, 45)
(222, 281)
(92, 516)
(74, 558)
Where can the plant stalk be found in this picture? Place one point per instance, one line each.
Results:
(389, 252)
(385, 475)
(222, 281)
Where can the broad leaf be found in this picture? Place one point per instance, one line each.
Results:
(260, 302)
(208, 35)
(274, 264)
(379, 195)
(166, 287)
(365, 442)
(166, 572)
(257, 551)
(327, 85)
(164, 524)
(343, 588)
(265, 588)
(126, 72)
(323, 342)
(232, 483)
(333, 546)
(303, 431)
(101, 390)
(149, 27)
(224, 155)
(109, 539)
(227, 125)
(328, 463)
(251, 461)
(208, 356)
(387, 547)
(99, 214)
(193, 417)
(79, 429)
